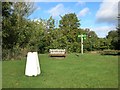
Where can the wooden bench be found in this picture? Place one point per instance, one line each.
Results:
(57, 52)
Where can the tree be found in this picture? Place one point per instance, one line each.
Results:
(23, 9)
(113, 38)
(93, 39)
(35, 35)
(14, 21)
(51, 23)
(118, 31)
(15, 28)
(69, 28)
(6, 24)
(69, 22)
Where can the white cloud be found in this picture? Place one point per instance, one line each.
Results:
(102, 31)
(107, 12)
(83, 12)
(38, 8)
(82, 3)
(59, 10)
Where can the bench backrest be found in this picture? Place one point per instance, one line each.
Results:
(57, 51)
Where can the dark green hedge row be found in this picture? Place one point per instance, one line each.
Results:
(110, 52)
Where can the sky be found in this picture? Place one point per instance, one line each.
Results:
(100, 17)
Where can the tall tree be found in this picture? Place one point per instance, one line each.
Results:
(69, 27)
(15, 28)
(51, 23)
(14, 15)
(69, 22)
(113, 38)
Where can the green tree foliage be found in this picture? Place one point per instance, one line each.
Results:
(6, 9)
(93, 39)
(15, 28)
(69, 27)
(113, 38)
(50, 24)
(14, 23)
(69, 22)
(118, 28)
(35, 34)
(20, 35)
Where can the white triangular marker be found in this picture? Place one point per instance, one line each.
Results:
(32, 64)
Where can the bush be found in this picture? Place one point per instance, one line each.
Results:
(110, 52)
(14, 54)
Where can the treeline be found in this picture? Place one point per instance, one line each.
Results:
(20, 35)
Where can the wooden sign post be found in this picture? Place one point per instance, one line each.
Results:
(82, 36)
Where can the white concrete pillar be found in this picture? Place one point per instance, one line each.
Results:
(32, 64)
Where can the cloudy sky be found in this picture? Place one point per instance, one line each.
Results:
(98, 16)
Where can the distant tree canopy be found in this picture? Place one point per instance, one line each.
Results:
(51, 23)
(113, 38)
(69, 22)
(20, 35)
(14, 22)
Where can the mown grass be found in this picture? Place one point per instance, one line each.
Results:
(83, 71)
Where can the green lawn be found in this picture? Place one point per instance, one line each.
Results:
(85, 71)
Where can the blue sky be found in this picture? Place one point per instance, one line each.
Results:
(98, 16)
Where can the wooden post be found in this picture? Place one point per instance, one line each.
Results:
(81, 44)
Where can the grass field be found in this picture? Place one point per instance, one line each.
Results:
(83, 71)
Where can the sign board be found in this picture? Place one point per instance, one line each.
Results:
(79, 35)
(84, 36)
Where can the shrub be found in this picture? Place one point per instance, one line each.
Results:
(110, 52)
(14, 54)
